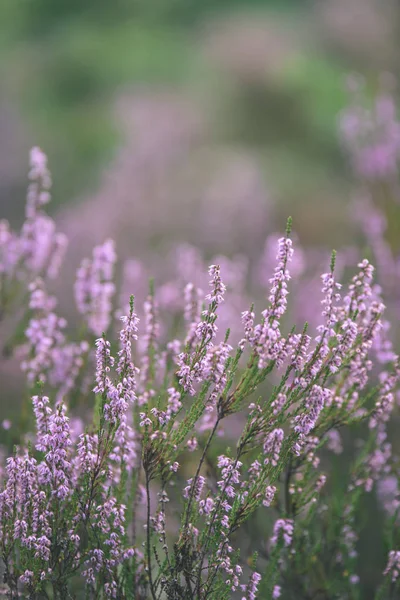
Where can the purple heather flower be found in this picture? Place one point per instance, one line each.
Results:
(195, 364)
(27, 577)
(192, 444)
(272, 447)
(371, 135)
(87, 450)
(314, 404)
(192, 297)
(125, 367)
(56, 470)
(393, 565)
(252, 587)
(124, 451)
(214, 368)
(40, 353)
(206, 506)
(94, 287)
(104, 362)
(330, 301)
(268, 258)
(41, 180)
(150, 338)
(42, 412)
(248, 324)
(284, 528)
(388, 493)
(216, 296)
(298, 348)
(276, 592)
(267, 337)
(360, 288)
(198, 488)
(334, 442)
(278, 404)
(269, 495)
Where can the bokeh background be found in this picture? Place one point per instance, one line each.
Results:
(224, 97)
(177, 121)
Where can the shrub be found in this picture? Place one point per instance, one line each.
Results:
(106, 509)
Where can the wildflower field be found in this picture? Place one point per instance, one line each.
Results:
(199, 399)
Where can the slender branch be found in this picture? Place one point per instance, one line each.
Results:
(148, 547)
(196, 477)
(288, 502)
(215, 511)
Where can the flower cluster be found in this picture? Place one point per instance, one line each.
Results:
(94, 288)
(38, 249)
(90, 495)
(371, 133)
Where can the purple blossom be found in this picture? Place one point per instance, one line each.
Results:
(269, 495)
(104, 362)
(150, 339)
(272, 447)
(276, 592)
(360, 288)
(278, 404)
(267, 337)
(195, 365)
(195, 489)
(393, 565)
(56, 470)
(371, 135)
(283, 528)
(218, 288)
(125, 367)
(314, 404)
(252, 587)
(42, 412)
(94, 287)
(73, 507)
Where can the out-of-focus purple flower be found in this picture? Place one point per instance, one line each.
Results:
(371, 135)
(284, 528)
(389, 493)
(393, 565)
(94, 287)
(276, 592)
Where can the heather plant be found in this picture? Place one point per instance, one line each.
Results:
(127, 482)
(370, 132)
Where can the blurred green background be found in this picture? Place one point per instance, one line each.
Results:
(268, 73)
